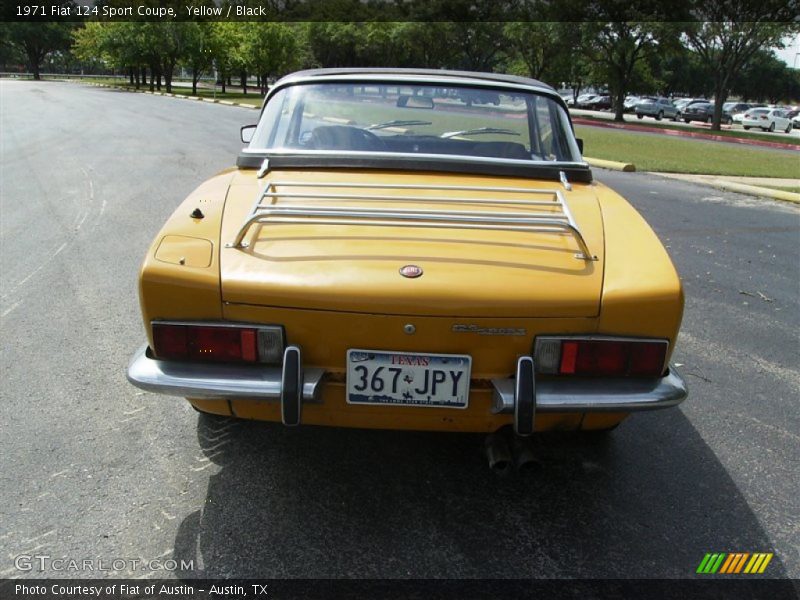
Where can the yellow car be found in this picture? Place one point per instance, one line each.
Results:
(411, 249)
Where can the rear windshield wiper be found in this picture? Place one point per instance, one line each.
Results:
(450, 134)
(397, 123)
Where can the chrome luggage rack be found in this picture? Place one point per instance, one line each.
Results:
(266, 210)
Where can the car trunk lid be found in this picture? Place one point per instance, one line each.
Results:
(354, 265)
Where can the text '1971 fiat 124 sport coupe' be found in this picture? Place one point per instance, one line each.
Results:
(411, 249)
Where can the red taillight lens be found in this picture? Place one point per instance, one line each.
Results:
(600, 358)
(199, 342)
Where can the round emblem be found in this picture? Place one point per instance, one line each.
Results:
(411, 271)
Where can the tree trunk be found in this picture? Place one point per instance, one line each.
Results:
(719, 100)
(244, 83)
(195, 77)
(158, 78)
(224, 79)
(619, 105)
(720, 95)
(130, 75)
(35, 67)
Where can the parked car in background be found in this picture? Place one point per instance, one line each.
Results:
(736, 108)
(629, 105)
(470, 97)
(768, 119)
(682, 103)
(299, 287)
(703, 111)
(600, 103)
(583, 98)
(737, 117)
(658, 108)
(794, 115)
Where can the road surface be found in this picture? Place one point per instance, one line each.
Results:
(93, 467)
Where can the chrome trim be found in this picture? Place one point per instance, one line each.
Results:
(443, 80)
(460, 158)
(263, 169)
(266, 210)
(595, 394)
(599, 338)
(216, 381)
(564, 181)
(471, 328)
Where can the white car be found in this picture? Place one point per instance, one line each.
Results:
(768, 119)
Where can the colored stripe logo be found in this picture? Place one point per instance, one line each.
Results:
(734, 563)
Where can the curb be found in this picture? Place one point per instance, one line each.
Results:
(733, 186)
(755, 190)
(610, 164)
(171, 95)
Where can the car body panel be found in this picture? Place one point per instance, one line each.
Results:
(355, 268)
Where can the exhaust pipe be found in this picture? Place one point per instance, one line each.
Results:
(498, 453)
(524, 457)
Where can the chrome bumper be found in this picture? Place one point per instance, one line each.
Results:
(595, 395)
(292, 385)
(215, 381)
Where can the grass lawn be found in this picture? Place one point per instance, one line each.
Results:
(674, 155)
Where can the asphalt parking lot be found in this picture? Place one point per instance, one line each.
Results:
(93, 467)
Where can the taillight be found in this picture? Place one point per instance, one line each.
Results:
(600, 357)
(217, 343)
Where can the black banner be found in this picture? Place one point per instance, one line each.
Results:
(472, 11)
(734, 588)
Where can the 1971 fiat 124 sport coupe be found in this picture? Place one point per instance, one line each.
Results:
(394, 251)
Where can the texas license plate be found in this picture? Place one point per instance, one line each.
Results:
(408, 379)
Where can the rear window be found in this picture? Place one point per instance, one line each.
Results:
(415, 119)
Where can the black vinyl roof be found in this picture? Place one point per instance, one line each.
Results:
(440, 73)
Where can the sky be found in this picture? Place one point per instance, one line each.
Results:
(791, 54)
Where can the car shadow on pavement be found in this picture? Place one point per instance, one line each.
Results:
(649, 500)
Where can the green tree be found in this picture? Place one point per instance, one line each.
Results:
(617, 48)
(336, 44)
(426, 45)
(273, 49)
(730, 39)
(198, 54)
(226, 41)
(766, 77)
(536, 44)
(35, 41)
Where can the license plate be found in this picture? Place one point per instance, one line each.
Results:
(408, 379)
